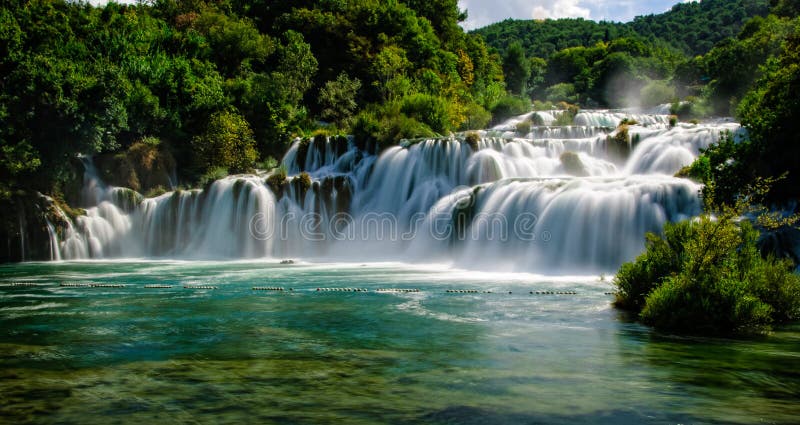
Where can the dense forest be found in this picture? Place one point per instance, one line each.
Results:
(223, 86)
(215, 87)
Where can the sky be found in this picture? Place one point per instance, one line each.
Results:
(485, 12)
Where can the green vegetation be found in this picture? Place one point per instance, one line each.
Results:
(224, 83)
(652, 60)
(707, 276)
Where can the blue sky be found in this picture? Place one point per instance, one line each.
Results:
(485, 12)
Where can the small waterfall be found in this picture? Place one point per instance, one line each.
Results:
(564, 201)
(55, 245)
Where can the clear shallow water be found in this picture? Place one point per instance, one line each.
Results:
(234, 355)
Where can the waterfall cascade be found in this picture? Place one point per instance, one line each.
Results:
(558, 199)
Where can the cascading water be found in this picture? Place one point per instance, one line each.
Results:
(558, 199)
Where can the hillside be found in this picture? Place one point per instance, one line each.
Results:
(692, 28)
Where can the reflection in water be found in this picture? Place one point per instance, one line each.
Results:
(90, 355)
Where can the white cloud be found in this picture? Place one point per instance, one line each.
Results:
(559, 9)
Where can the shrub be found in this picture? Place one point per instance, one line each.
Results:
(365, 130)
(656, 92)
(276, 180)
(707, 277)
(509, 106)
(268, 164)
(619, 145)
(211, 175)
(430, 110)
(561, 92)
(472, 138)
(673, 120)
(475, 117)
(537, 119)
(302, 183)
(523, 127)
(156, 191)
(226, 142)
(401, 127)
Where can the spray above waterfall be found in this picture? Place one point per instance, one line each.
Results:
(556, 198)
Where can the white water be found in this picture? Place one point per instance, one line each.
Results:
(511, 205)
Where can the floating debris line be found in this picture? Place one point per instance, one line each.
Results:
(396, 290)
(198, 287)
(467, 291)
(342, 290)
(554, 293)
(157, 286)
(21, 284)
(75, 284)
(270, 288)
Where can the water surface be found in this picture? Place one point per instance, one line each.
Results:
(234, 355)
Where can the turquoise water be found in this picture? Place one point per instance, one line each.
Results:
(234, 355)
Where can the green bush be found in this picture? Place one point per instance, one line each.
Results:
(210, 176)
(523, 127)
(226, 142)
(472, 138)
(561, 92)
(538, 105)
(662, 258)
(657, 92)
(302, 183)
(475, 117)
(509, 106)
(707, 276)
(430, 110)
(276, 180)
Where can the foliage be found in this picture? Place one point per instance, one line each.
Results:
(338, 99)
(523, 127)
(276, 179)
(771, 114)
(692, 27)
(516, 68)
(210, 176)
(105, 77)
(657, 92)
(707, 276)
(227, 143)
(472, 138)
(509, 106)
(430, 110)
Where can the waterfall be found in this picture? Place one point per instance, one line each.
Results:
(561, 198)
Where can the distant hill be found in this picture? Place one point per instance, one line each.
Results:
(692, 28)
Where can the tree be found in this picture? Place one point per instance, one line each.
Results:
(227, 142)
(338, 99)
(517, 69)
